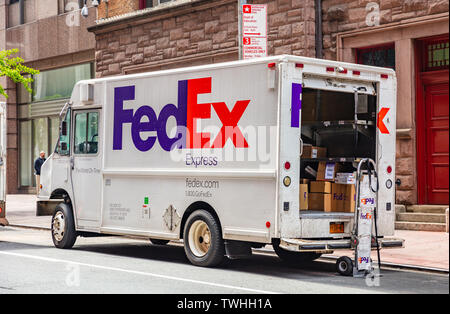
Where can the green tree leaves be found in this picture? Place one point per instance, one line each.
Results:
(13, 68)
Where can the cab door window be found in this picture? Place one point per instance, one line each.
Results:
(86, 133)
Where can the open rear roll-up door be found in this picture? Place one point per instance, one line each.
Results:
(338, 84)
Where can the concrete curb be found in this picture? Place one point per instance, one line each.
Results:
(30, 227)
(400, 266)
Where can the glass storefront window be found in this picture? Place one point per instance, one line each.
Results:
(40, 137)
(58, 83)
(26, 159)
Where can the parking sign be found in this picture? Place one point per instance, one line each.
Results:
(254, 30)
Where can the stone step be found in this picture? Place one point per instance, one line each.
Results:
(420, 226)
(435, 209)
(421, 217)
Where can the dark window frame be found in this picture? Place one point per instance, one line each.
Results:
(383, 47)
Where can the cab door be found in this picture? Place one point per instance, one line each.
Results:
(86, 168)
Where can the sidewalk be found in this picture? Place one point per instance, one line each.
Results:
(422, 248)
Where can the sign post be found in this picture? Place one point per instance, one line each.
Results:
(252, 30)
(3, 220)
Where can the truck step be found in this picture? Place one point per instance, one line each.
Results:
(435, 209)
(421, 217)
(420, 226)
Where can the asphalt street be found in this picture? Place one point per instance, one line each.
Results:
(30, 264)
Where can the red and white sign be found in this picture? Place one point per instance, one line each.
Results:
(254, 31)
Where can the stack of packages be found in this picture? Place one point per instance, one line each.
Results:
(332, 191)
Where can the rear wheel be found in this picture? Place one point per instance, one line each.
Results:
(159, 242)
(203, 243)
(294, 257)
(63, 227)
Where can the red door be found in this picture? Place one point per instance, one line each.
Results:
(432, 117)
(437, 142)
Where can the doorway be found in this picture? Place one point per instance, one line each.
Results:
(432, 115)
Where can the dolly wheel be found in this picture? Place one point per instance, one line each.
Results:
(344, 266)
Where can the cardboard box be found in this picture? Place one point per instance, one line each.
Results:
(320, 187)
(327, 171)
(319, 201)
(304, 196)
(314, 152)
(304, 181)
(343, 198)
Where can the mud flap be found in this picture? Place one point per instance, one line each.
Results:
(237, 249)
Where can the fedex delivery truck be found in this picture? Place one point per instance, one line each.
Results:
(212, 155)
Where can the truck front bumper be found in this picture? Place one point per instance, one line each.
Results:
(328, 246)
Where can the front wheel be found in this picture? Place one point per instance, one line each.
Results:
(294, 257)
(63, 227)
(203, 243)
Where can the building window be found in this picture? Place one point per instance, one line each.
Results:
(151, 3)
(436, 54)
(380, 56)
(58, 84)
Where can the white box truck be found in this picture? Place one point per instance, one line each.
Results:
(212, 155)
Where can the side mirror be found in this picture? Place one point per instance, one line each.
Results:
(63, 146)
(64, 128)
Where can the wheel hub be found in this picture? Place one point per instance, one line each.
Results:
(199, 238)
(58, 226)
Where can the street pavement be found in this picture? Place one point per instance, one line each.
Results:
(30, 264)
(422, 248)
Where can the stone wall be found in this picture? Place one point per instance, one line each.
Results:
(165, 37)
(343, 15)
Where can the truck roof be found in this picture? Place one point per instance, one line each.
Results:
(280, 58)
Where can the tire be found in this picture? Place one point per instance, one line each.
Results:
(159, 242)
(63, 227)
(294, 258)
(344, 266)
(203, 243)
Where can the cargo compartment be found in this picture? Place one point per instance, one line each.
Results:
(338, 130)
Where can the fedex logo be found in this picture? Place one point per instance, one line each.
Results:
(366, 201)
(186, 113)
(364, 259)
(366, 216)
